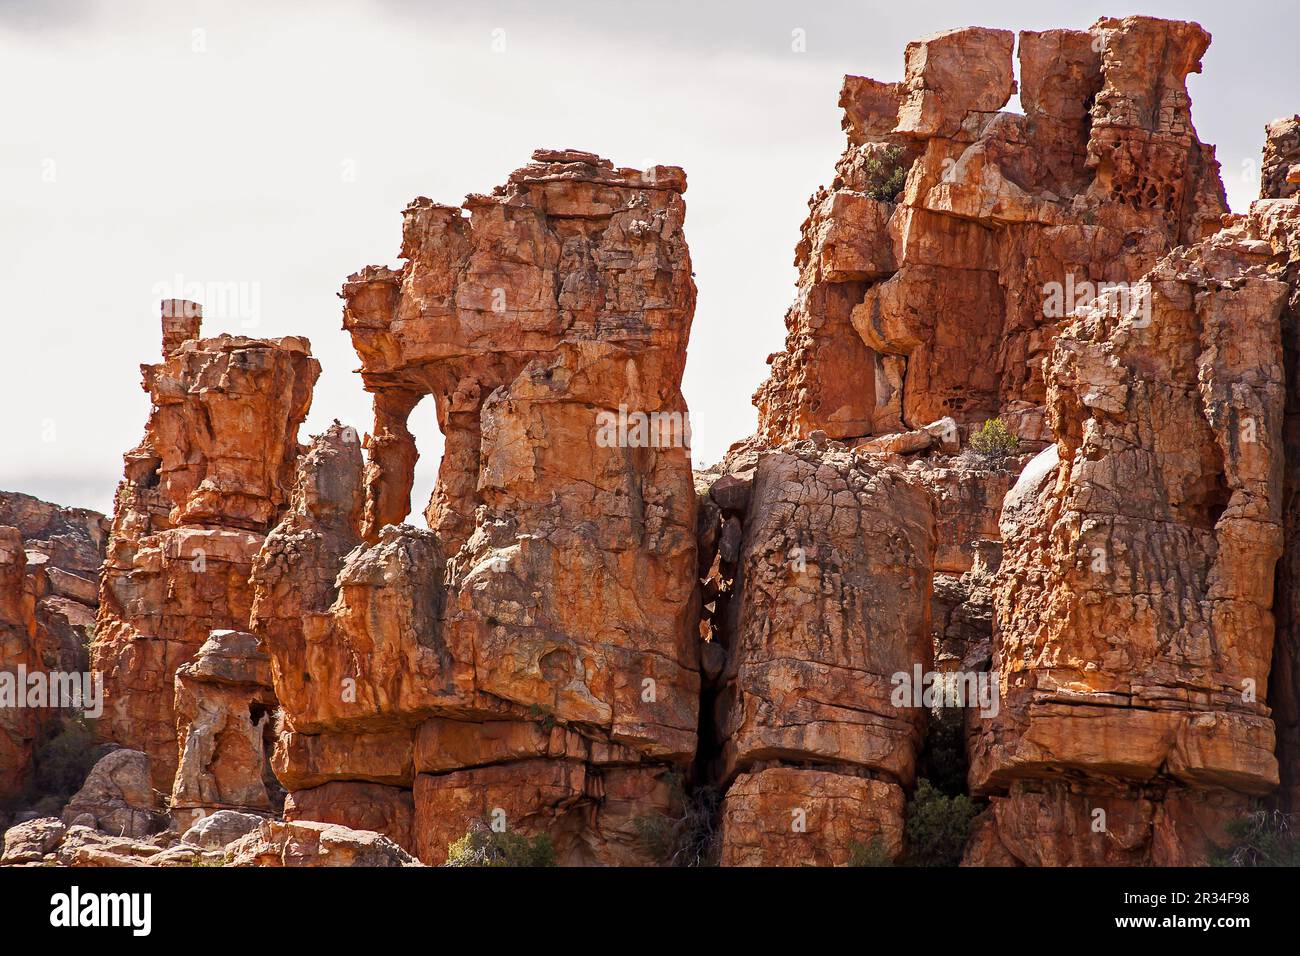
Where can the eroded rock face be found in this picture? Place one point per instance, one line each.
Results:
(1276, 221)
(783, 816)
(831, 600)
(224, 725)
(924, 265)
(589, 638)
(18, 726)
(49, 563)
(1134, 599)
(535, 651)
(304, 843)
(210, 478)
(1280, 173)
(118, 797)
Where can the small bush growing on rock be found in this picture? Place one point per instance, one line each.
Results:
(994, 441)
(937, 826)
(63, 760)
(481, 846)
(886, 174)
(1263, 838)
(869, 854)
(689, 839)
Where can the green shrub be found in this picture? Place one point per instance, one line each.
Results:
(994, 441)
(937, 826)
(543, 716)
(943, 761)
(481, 846)
(63, 759)
(869, 854)
(886, 174)
(688, 839)
(1263, 838)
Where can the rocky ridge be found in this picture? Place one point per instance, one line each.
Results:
(645, 665)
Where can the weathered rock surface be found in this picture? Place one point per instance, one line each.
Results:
(1280, 173)
(551, 610)
(118, 797)
(220, 829)
(1134, 599)
(227, 838)
(224, 706)
(831, 599)
(29, 842)
(304, 843)
(1276, 221)
(49, 565)
(923, 264)
(785, 816)
(18, 725)
(593, 643)
(210, 478)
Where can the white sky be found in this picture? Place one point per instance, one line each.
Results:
(281, 155)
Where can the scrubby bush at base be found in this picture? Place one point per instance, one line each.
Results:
(994, 441)
(1264, 838)
(481, 846)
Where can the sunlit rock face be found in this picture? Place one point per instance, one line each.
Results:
(49, 565)
(831, 599)
(1135, 623)
(923, 264)
(968, 263)
(210, 478)
(590, 642)
(535, 651)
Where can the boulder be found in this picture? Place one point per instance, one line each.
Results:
(119, 795)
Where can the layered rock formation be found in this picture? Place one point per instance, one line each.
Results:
(1135, 601)
(1280, 173)
(530, 662)
(210, 478)
(18, 726)
(923, 297)
(1273, 220)
(49, 563)
(592, 643)
(1133, 627)
(224, 704)
(830, 599)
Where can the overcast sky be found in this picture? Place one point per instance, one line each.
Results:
(265, 145)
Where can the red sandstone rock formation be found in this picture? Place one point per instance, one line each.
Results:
(210, 478)
(832, 591)
(18, 726)
(1275, 219)
(577, 647)
(925, 299)
(533, 656)
(1134, 598)
(49, 560)
(1280, 174)
(224, 704)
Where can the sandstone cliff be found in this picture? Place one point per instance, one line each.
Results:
(210, 478)
(922, 265)
(49, 564)
(533, 655)
(1034, 436)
